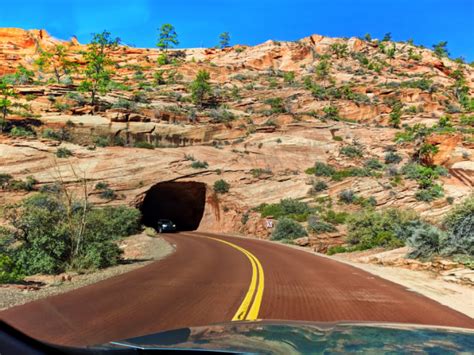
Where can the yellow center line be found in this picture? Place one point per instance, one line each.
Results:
(248, 310)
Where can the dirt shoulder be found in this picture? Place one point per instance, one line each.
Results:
(430, 284)
(139, 250)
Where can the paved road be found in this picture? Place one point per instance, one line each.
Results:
(212, 279)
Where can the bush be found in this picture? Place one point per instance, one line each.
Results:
(52, 237)
(221, 115)
(288, 229)
(106, 192)
(322, 169)
(347, 196)
(63, 153)
(21, 132)
(460, 226)
(352, 151)
(392, 158)
(387, 228)
(426, 241)
(373, 164)
(286, 208)
(337, 249)
(9, 272)
(197, 164)
(319, 186)
(221, 186)
(143, 145)
(315, 224)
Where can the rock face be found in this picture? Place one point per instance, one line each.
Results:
(266, 125)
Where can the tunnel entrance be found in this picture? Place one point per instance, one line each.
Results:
(181, 202)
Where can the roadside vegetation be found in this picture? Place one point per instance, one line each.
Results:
(51, 232)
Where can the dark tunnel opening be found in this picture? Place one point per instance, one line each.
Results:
(181, 202)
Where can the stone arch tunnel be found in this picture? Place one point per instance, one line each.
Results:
(181, 202)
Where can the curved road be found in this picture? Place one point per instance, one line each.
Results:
(212, 279)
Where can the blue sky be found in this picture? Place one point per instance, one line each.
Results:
(199, 22)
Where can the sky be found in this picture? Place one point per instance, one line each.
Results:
(199, 22)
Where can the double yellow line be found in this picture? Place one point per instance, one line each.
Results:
(250, 306)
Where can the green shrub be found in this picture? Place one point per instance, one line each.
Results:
(124, 103)
(337, 249)
(319, 186)
(256, 173)
(387, 228)
(18, 185)
(143, 145)
(19, 131)
(460, 226)
(221, 115)
(53, 237)
(197, 164)
(63, 153)
(106, 192)
(334, 217)
(277, 105)
(373, 164)
(392, 158)
(430, 193)
(322, 169)
(316, 224)
(347, 196)
(9, 271)
(101, 141)
(354, 150)
(287, 229)
(4, 180)
(286, 208)
(221, 186)
(425, 241)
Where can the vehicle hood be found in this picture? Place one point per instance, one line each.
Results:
(303, 337)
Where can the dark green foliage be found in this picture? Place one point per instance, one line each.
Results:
(221, 186)
(347, 196)
(201, 88)
(9, 271)
(440, 49)
(256, 173)
(339, 49)
(124, 103)
(319, 186)
(460, 226)
(286, 208)
(373, 164)
(396, 114)
(354, 150)
(331, 113)
(289, 77)
(387, 228)
(323, 169)
(277, 105)
(221, 115)
(106, 192)
(98, 73)
(288, 229)
(425, 241)
(19, 131)
(199, 164)
(63, 153)
(337, 249)
(224, 40)
(316, 224)
(143, 145)
(392, 158)
(53, 236)
(168, 38)
(8, 183)
(423, 84)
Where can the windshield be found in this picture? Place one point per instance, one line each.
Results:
(227, 162)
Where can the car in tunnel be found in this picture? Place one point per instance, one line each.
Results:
(165, 225)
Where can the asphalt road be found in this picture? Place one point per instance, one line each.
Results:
(212, 279)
